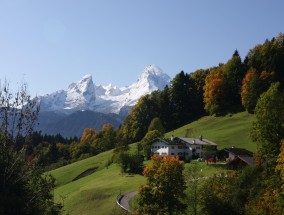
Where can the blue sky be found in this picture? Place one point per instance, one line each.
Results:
(52, 43)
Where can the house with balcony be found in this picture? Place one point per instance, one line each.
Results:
(182, 147)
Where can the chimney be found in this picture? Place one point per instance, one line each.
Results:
(200, 137)
(172, 138)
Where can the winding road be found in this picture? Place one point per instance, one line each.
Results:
(125, 199)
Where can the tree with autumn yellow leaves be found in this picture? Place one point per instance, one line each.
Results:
(164, 190)
(92, 142)
(214, 91)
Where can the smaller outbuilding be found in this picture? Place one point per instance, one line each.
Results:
(240, 162)
(229, 154)
(236, 158)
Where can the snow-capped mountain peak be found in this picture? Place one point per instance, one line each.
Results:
(85, 95)
(153, 69)
(84, 85)
(154, 77)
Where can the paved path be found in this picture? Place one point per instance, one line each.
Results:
(124, 200)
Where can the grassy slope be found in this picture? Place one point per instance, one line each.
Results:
(67, 173)
(226, 131)
(96, 193)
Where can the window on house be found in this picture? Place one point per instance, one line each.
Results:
(179, 147)
(163, 147)
(173, 153)
(173, 147)
(158, 147)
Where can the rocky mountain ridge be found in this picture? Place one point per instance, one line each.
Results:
(85, 95)
(86, 105)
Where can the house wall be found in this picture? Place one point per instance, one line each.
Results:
(160, 148)
(197, 149)
(179, 150)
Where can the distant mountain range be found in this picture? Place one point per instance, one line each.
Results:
(86, 105)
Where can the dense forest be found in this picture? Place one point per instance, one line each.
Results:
(227, 88)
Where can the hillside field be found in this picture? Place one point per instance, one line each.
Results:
(97, 192)
(226, 131)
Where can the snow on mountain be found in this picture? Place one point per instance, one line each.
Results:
(85, 95)
(81, 95)
(151, 79)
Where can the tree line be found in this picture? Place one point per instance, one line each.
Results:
(227, 88)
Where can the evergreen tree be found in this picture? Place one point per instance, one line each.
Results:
(233, 75)
(165, 108)
(182, 98)
(198, 78)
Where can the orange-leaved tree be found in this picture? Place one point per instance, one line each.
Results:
(164, 190)
(214, 91)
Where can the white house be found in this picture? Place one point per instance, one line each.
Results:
(183, 147)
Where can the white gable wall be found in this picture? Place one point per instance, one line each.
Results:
(160, 148)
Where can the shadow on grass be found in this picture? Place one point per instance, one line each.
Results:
(86, 173)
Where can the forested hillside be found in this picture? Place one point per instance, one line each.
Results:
(226, 88)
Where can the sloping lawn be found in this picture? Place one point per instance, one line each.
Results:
(226, 131)
(97, 193)
(67, 173)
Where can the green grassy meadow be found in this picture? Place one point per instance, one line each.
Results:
(97, 192)
(227, 131)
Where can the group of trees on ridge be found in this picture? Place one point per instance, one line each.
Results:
(226, 88)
